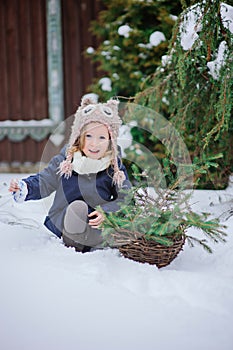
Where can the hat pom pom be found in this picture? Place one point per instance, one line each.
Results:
(65, 168)
(119, 178)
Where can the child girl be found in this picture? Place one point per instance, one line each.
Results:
(87, 173)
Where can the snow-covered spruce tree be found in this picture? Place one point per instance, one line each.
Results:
(193, 87)
(133, 35)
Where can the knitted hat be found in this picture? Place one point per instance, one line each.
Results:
(104, 113)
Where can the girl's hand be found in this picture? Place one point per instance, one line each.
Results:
(19, 190)
(97, 220)
(14, 185)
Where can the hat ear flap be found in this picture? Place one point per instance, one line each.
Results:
(113, 104)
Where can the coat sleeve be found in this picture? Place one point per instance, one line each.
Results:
(45, 182)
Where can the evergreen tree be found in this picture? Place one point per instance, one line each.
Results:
(133, 35)
(193, 85)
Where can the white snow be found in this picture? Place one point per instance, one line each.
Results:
(26, 123)
(227, 16)
(156, 38)
(106, 54)
(189, 27)
(90, 50)
(124, 30)
(115, 76)
(165, 60)
(192, 23)
(125, 137)
(106, 84)
(116, 48)
(215, 65)
(53, 298)
(173, 17)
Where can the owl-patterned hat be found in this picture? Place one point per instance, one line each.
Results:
(103, 113)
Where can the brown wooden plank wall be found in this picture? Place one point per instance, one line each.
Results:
(23, 59)
(78, 69)
(23, 65)
(23, 72)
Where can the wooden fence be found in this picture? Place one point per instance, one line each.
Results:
(23, 66)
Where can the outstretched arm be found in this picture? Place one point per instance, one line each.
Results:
(39, 185)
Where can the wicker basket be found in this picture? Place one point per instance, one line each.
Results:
(148, 251)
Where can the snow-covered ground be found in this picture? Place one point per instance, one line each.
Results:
(52, 298)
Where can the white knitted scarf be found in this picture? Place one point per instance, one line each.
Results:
(84, 165)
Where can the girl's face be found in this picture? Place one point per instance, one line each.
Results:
(96, 140)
